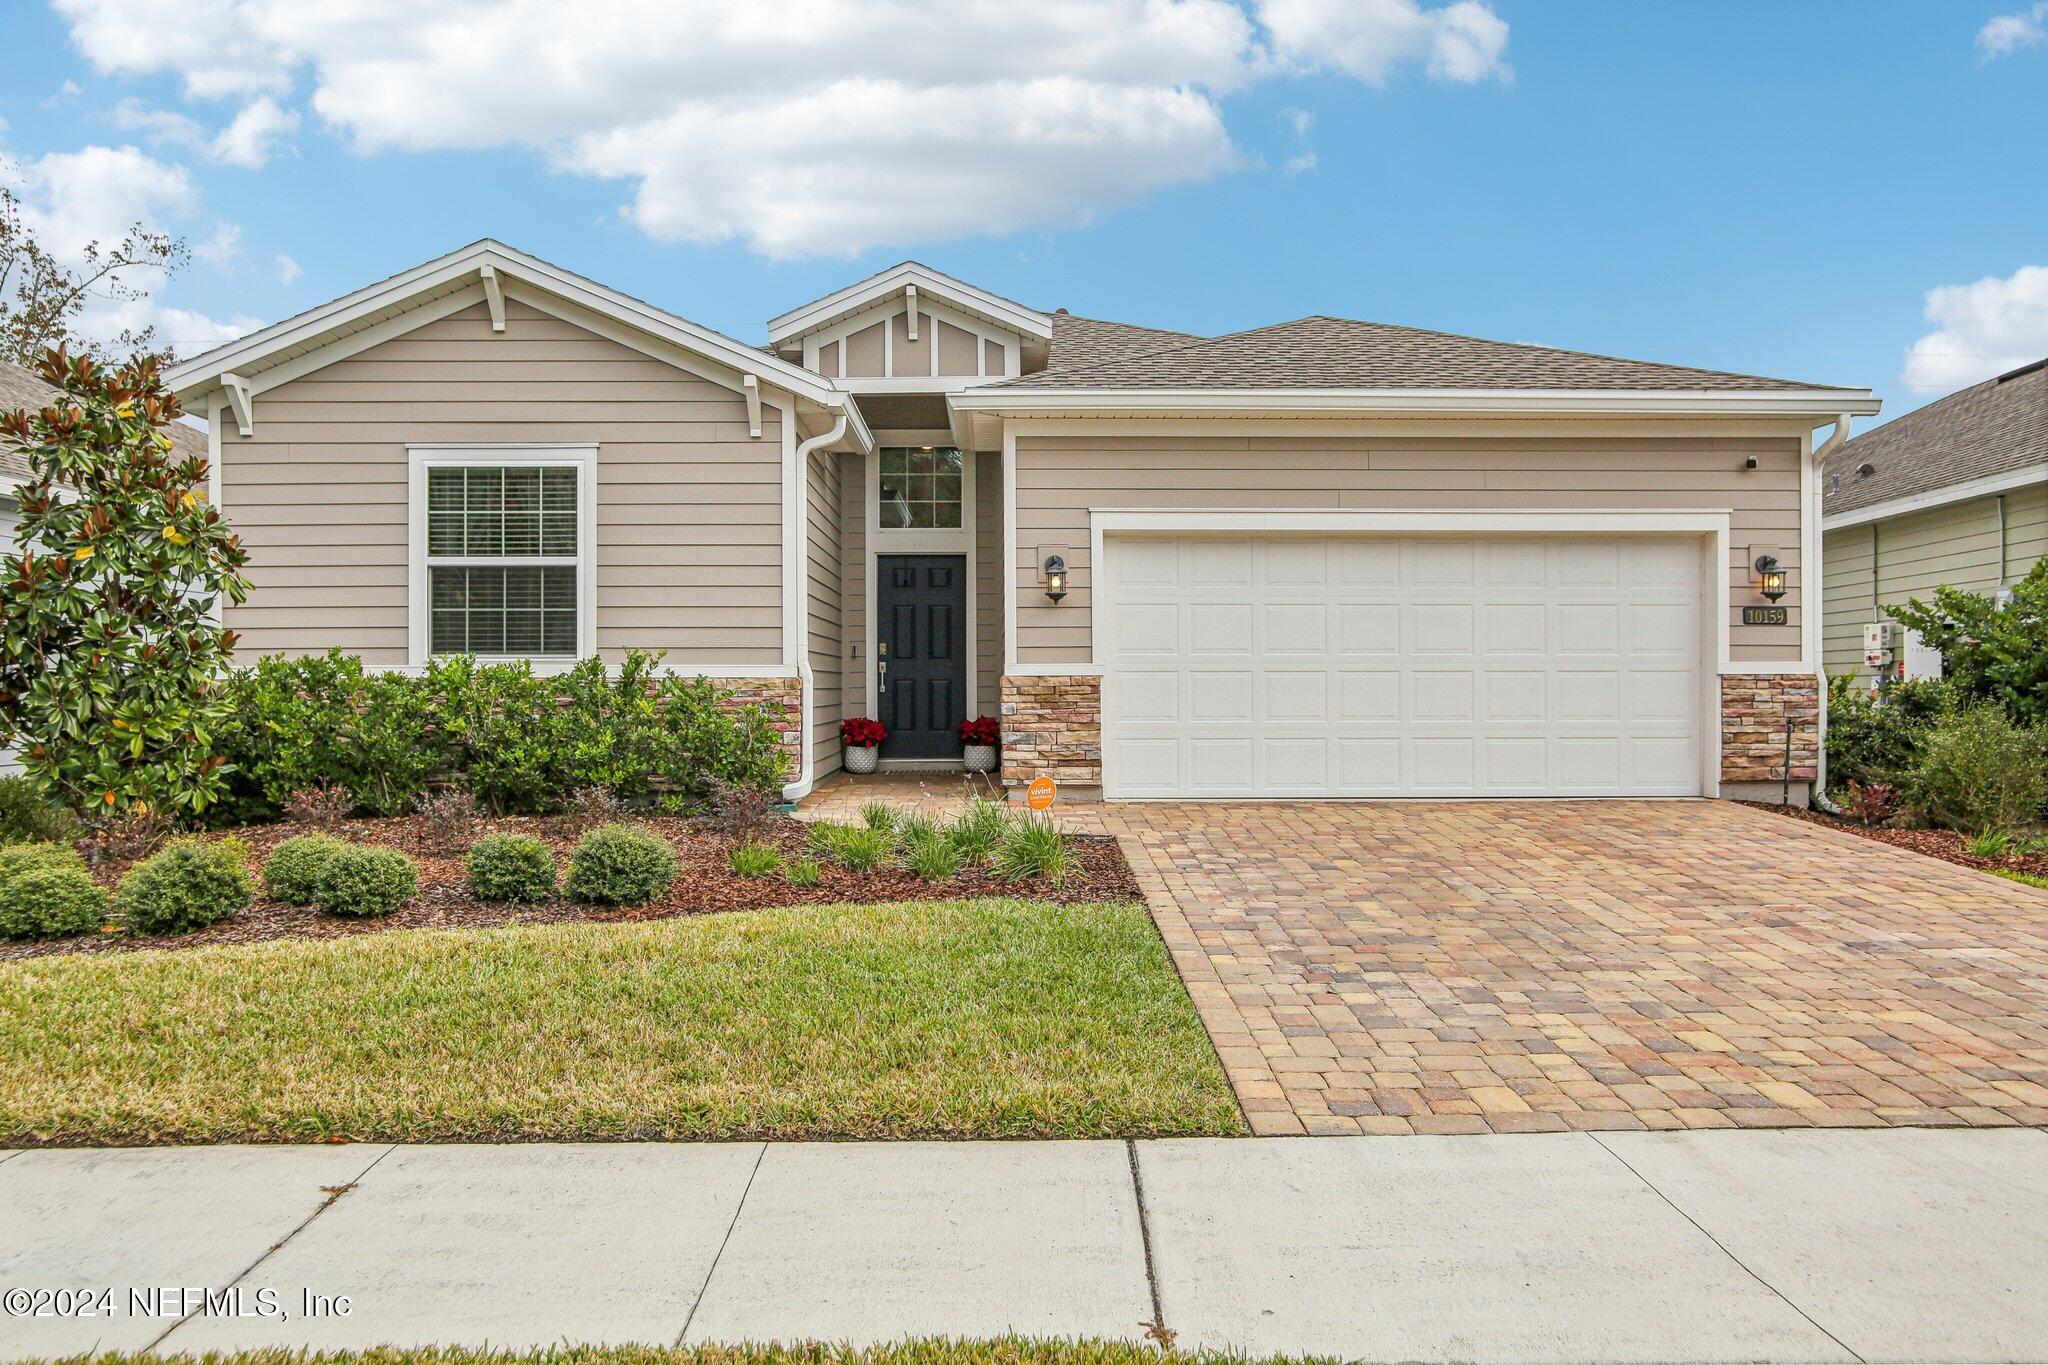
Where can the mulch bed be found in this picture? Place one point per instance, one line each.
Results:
(1945, 844)
(705, 884)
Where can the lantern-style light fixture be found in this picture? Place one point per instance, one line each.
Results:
(1770, 577)
(1055, 577)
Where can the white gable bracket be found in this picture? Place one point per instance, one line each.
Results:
(240, 403)
(751, 385)
(494, 294)
(910, 308)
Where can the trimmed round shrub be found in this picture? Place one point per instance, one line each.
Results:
(511, 867)
(292, 873)
(192, 883)
(51, 901)
(619, 865)
(366, 883)
(17, 859)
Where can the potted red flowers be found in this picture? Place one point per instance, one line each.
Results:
(978, 740)
(863, 740)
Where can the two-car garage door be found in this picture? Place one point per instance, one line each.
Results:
(1238, 666)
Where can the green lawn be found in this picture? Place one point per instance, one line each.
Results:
(981, 1019)
(1003, 1351)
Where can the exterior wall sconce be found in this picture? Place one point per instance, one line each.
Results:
(1055, 578)
(1770, 577)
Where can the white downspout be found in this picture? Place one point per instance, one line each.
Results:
(1817, 581)
(800, 507)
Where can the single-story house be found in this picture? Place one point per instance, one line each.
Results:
(22, 388)
(1953, 493)
(1326, 558)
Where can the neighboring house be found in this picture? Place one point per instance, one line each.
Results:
(1953, 493)
(20, 388)
(1323, 559)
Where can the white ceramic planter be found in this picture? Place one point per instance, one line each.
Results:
(978, 758)
(862, 758)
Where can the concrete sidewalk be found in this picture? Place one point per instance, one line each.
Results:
(1879, 1245)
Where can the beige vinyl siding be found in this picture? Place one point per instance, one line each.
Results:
(1956, 545)
(907, 357)
(987, 617)
(866, 353)
(688, 515)
(822, 505)
(1059, 478)
(853, 584)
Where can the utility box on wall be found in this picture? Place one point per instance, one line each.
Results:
(1892, 651)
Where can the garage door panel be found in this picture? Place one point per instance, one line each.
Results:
(1368, 696)
(1368, 629)
(1296, 697)
(1516, 628)
(1296, 628)
(1362, 667)
(1220, 628)
(1217, 697)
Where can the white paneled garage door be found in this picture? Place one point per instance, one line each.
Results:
(1359, 666)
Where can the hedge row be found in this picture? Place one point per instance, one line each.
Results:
(521, 742)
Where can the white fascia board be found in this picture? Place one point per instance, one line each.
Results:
(1780, 402)
(1988, 486)
(891, 283)
(312, 328)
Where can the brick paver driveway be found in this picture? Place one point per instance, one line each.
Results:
(1509, 966)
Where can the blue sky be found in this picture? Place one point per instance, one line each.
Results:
(1752, 186)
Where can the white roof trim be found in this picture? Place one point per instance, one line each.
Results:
(311, 328)
(1767, 403)
(1970, 489)
(891, 284)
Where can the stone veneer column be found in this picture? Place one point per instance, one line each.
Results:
(783, 700)
(1755, 709)
(1052, 727)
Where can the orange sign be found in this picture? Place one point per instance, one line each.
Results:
(1039, 795)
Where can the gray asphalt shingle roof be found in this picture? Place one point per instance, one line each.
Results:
(1340, 353)
(1988, 429)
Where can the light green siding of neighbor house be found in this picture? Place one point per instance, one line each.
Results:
(1957, 545)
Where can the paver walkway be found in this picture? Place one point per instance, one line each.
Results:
(1615, 1246)
(1440, 967)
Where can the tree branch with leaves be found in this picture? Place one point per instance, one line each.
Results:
(41, 298)
(111, 654)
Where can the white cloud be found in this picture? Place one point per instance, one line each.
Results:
(2008, 33)
(810, 127)
(288, 270)
(96, 194)
(221, 248)
(1368, 39)
(1300, 120)
(251, 140)
(1983, 329)
(1300, 163)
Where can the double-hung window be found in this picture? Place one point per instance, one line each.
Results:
(503, 552)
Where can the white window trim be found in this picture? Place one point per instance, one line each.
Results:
(421, 458)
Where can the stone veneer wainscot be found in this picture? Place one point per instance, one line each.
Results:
(1052, 727)
(1755, 709)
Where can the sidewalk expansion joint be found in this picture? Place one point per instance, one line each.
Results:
(719, 1254)
(1780, 1294)
(333, 1193)
(1156, 1329)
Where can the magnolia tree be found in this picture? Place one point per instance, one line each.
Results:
(110, 655)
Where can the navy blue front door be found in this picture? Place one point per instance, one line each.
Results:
(921, 653)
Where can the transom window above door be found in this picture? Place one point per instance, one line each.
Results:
(920, 488)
